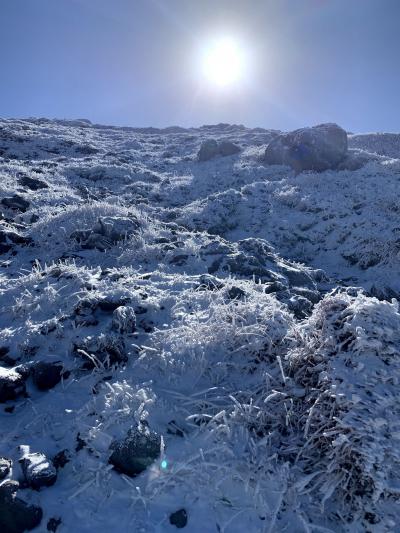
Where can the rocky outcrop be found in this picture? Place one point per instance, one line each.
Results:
(318, 148)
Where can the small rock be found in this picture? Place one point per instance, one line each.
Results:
(124, 320)
(16, 202)
(16, 516)
(12, 384)
(53, 524)
(5, 467)
(46, 375)
(209, 283)
(236, 293)
(179, 518)
(133, 454)
(37, 469)
(61, 459)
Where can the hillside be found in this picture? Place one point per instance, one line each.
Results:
(242, 316)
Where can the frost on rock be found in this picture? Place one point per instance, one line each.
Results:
(137, 451)
(210, 148)
(12, 384)
(38, 470)
(106, 232)
(318, 148)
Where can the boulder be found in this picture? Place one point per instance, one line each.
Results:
(37, 469)
(16, 515)
(12, 384)
(318, 148)
(138, 450)
(210, 148)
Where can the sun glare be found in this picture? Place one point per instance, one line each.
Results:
(223, 62)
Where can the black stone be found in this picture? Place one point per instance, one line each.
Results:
(16, 515)
(46, 375)
(53, 524)
(61, 459)
(179, 518)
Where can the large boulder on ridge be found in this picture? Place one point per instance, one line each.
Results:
(318, 148)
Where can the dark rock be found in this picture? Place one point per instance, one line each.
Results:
(4, 351)
(318, 148)
(53, 524)
(133, 454)
(4, 248)
(61, 459)
(178, 518)
(37, 469)
(32, 183)
(209, 283)
(16, 515)
(236, 293)
(105, 351)
(179, 260)
(109, 306)
(16, 202)
(46, 374)
(11, 237)
(80, 443)
(12, 384)
(5, 467)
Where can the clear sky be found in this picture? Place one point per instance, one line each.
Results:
(139, 62)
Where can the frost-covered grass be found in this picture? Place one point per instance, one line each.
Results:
(270, 420)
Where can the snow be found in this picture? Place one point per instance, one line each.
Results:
(273, 381)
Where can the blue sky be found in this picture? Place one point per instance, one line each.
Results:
(136, 62)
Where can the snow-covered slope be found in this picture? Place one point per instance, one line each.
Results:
(244, 316)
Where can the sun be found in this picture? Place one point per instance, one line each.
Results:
(223, 62)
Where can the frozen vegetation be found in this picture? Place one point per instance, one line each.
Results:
(193, 338)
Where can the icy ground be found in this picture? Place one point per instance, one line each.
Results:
(247, 314)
